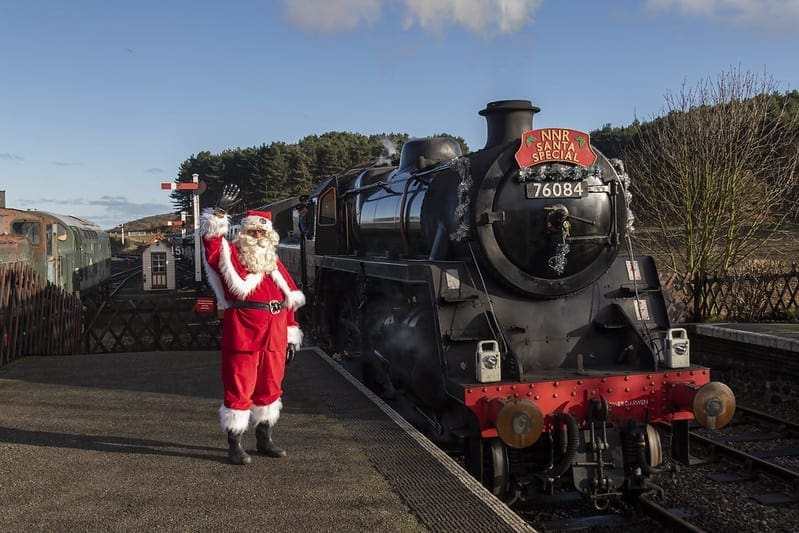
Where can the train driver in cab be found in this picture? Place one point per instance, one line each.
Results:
(302, 216)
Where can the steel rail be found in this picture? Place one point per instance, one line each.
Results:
(765, 417)
(717, 444)
(130, 274)
(771, 468)
(665, 517)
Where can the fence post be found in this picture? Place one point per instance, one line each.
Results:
(697, 297)
(157, 328)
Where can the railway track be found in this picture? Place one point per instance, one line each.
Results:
(128, 273)
(757, 455)
(124, 268)
(123, 278)
(671, 519)
(762, 444)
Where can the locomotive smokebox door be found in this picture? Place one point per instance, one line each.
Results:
(488, 362)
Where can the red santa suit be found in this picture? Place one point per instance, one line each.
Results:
(258, 324)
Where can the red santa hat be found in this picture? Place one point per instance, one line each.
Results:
(257, 220)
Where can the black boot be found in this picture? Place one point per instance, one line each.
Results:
(263, 435)
(236, 453)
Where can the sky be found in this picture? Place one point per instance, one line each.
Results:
(102, 100)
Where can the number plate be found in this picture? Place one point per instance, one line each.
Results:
(556, 189)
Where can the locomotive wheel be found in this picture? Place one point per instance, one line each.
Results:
(495, 468)
(654, 451)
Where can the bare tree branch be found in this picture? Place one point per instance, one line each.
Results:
(714, 177)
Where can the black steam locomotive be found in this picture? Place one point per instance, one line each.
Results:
(493, 300)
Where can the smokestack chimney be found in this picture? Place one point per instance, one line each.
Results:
(2, 199)
(507, 120)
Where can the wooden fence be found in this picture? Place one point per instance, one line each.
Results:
(39, 318)
(36, 316)
(150, 322)
(733, 298)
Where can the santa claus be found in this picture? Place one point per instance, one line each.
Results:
(259, 298)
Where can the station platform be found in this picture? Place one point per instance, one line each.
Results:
(131, 442)
(779, 336)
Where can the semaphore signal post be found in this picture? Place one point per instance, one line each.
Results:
(196, 187)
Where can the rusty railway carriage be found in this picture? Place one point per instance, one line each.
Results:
(71, 252)
(493, 300)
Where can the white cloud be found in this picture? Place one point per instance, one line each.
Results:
(107, 211)
(763, 14)
(330, 16)
(483, 17)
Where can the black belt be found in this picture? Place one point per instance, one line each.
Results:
(272, 306)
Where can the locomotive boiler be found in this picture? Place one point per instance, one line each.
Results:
(493, 299)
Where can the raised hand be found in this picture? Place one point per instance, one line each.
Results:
(228, 199)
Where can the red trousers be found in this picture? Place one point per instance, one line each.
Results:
(252, 378)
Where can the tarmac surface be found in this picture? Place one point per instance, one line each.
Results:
(131, 442)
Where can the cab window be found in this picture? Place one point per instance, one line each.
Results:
(29, 230)
(61, 231)
(327, 208)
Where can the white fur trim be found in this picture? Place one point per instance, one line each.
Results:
(254, 222)
(234, 420)
(238, 286)
(266, 413)
(295, 336)
(212, 225)
(294, 299)
(215, 283)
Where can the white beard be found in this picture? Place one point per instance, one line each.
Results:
(258, 255)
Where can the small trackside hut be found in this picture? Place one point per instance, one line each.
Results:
(158, 266)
